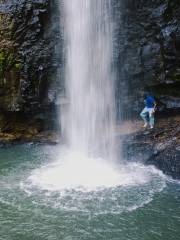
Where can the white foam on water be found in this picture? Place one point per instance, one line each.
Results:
(77, 171)
(76, 182)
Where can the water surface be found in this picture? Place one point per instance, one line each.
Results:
(148, 209)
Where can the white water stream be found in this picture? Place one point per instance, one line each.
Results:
(88, 31)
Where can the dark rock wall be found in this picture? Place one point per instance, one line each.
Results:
(29, 34)
(148, 45)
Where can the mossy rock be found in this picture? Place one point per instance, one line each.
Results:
(8, 61)
(6, 24)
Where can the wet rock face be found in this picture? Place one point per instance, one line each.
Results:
(159, 147)
(28, 36)
(148, 45)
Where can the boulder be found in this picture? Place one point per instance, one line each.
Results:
(159, 147)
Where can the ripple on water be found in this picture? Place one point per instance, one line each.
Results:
(78, 183)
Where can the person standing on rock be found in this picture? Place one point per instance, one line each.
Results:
(148, 112)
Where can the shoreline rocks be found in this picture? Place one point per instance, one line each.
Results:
(159, 147)
(10, 139)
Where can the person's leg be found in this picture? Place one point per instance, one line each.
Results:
(143, 115)
(151, 118)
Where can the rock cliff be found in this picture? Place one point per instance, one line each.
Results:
(29, 34)
(148, 52)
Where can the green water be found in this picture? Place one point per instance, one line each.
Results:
(149, 211)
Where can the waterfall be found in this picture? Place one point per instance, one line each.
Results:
(90, 119)
(84, 164)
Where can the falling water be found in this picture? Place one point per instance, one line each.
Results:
(89, 80)
(85, 163)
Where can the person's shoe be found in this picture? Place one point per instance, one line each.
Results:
(151, 127)
(145, 125)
